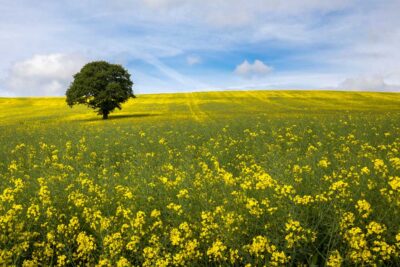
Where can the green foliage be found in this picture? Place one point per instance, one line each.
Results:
(101, 86)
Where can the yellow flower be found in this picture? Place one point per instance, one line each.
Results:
(113, 243)
(379, 165)
(132, 244)
(296, 234)
(303, 200)
(395, 163)
(13, 166)
(234, 255)
(324, 163)
(365, 170)
(253, 207)
(86, 245)
(339, 189)
(150, 255)
(104, 262)
(155, 213)
(264, 180)
(358, 252)
(395, 183)
(183, 193)
(347, 220)
(398, 240)
(44, 192)
(216, 251)
(334, 260)
(260, 247)
(175, 207)
(33, 211)
(175, 236)
(61, 260)
(383, 249)
(375, 228)
(279, 258)
(139, 220)
(364, 208)
(123, 262)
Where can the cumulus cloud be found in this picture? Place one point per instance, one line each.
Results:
(193, 60)
(368, 83)
(251, 70)
(43, 74)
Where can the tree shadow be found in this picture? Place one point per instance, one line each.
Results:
(121, 116)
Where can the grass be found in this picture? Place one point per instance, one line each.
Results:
(216, 178)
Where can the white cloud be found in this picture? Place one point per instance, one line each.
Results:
(248, 70)
(193, 60)
(368, 83)
(43, 74)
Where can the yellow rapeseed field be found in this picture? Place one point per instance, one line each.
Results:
(257, 178)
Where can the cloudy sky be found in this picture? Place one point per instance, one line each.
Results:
(196, 45)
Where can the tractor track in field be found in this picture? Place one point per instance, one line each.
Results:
(197, 113)
(259, 96)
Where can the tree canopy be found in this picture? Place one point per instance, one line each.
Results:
(101, 86)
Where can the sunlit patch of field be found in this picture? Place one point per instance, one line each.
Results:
(201, 106)
(269, 178)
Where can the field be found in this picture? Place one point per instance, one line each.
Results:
(253, 178)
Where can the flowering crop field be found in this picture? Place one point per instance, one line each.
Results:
(257, 178)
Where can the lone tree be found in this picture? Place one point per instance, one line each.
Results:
(101, 86)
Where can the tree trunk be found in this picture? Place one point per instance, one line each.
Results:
(105, 115)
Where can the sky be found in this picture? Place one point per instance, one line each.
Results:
(202, 45)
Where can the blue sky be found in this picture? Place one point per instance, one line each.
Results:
(198, 45)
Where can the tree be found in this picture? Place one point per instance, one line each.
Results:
(101, 86)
